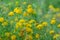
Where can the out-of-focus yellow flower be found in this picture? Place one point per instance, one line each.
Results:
(28, 25)
(37, 35)
(22, 21)
(30, 37)
(29, 30)
(18, 10)
(44, 23)
(32, 21)
(30, 10)
(53, 21)
(10, 13)
(25, 14)
(29, 6)
(52, 7)
(58, 25)
(21, 33)
(13, 37)
(4, 23)
(57, 9)
(24, 3)
(7, 34)
(56, 36)
(18, 25)
(51, 32)
(40, 26)
(1, 19)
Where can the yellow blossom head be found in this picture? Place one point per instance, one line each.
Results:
(53, 21)
(1, 19)
(4, 23)
(18, 10)
(51, 32)
(13, 37)
(10, 13)
(29, 30)
(58, 25)
(40, 26)
(44, 23)
(37, 35)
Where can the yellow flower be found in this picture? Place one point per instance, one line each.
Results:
(1, 19)
(32, 21)
(7, 34)
(28, 25)
(21, 33)
(51, 6)
(29, 30)
(29, 6)
(24, 2)
(22, 21)
(25, 14)
(37, 35)
(51, 32)
(57, 9)
(4, 23)
(18, 10)
(18, 25)
(11, 13)
(30, 10)
(40, 26)
(58, 26)
(13, 37)
(44, 23)
(53, 21)
(30, 37)
(56, 35)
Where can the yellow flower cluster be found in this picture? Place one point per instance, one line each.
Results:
(56, 36)
(30, 9)
(29, 30)
(20, 23)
